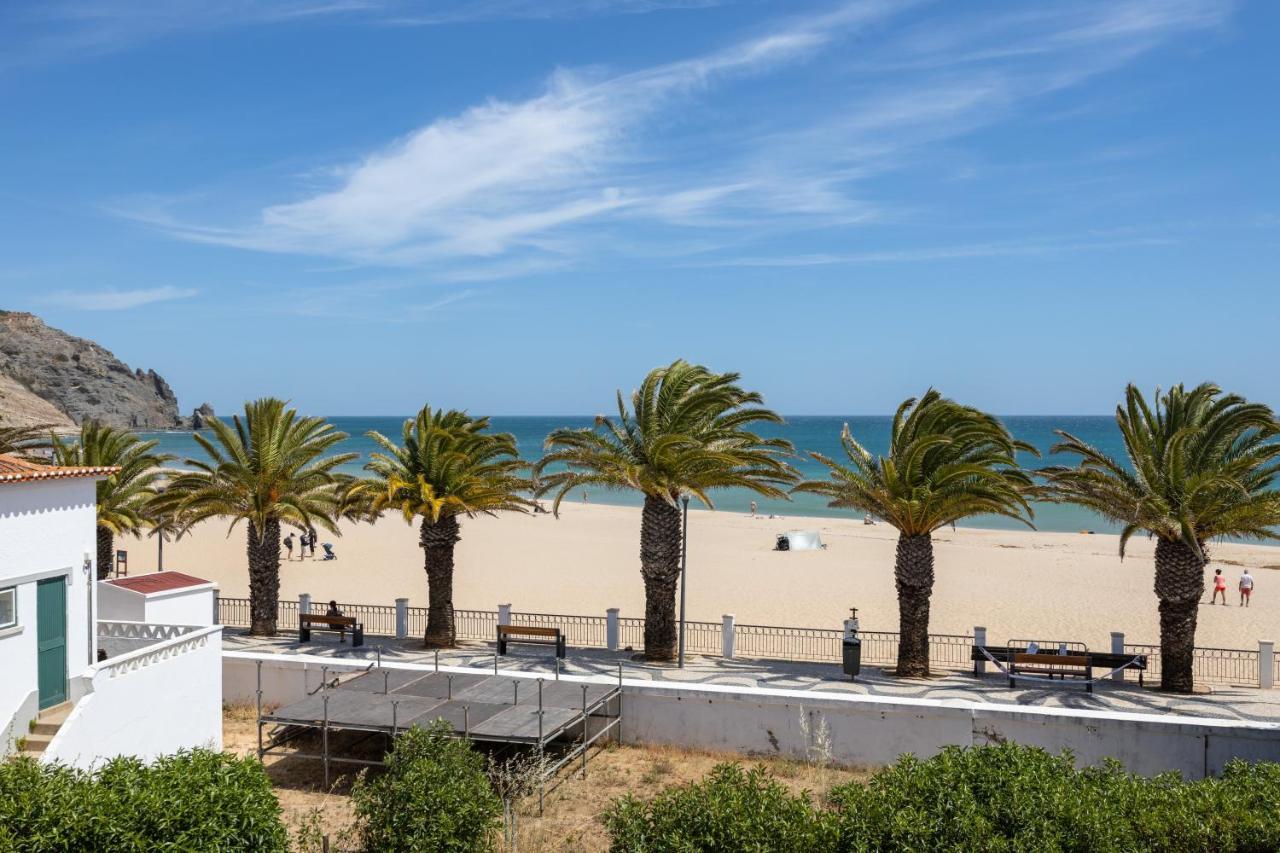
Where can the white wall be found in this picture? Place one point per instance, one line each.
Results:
(188, 606)
(46, 529)
(192, 606)
(116, 604)
(147, 703)
(864, 730)
(872, 730)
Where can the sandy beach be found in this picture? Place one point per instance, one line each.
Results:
(1018, 584)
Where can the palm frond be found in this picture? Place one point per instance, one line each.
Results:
(269, 463)
(686, 431)
(1202, 465)
(446, 464)
(946, 462)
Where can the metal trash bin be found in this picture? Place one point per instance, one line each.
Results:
(852, 648)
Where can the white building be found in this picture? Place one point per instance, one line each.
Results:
(159, 688)
(169, 598)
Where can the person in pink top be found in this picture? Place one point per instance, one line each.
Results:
(1219, 587)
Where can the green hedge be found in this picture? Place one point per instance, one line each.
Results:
(1020, 798)
(433, 796)
(1000, 798)
(194, 800)
(731, 809)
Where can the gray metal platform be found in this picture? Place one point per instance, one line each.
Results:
(499, 709)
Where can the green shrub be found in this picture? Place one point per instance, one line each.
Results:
(999, 798)
(194, 800)
(1011, 797)
(433, 796)
(730, 810)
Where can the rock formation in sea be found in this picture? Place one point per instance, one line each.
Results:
(77, 379)
(201, 416)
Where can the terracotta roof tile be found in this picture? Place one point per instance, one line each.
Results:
(158, 582)
(14, 469)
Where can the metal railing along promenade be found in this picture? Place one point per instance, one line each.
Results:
(764, 642)
(1208, 666)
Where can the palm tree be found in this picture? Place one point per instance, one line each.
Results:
(356, 499)
(685, 434)
(24, 440)
(946, 463)
(1202, 465)
(124, 497)
(269, 469)
(447, 466)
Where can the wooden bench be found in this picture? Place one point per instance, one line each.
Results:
(1052, 665)
(1096, 660)
(531, 635)
(330, 623)
(1111, 660)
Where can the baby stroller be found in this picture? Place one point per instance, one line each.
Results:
(328, 551)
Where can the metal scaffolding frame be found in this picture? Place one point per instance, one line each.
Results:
(481, 708)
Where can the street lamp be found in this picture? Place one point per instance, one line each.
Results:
(684, 570)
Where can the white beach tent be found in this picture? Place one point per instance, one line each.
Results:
(804, 540)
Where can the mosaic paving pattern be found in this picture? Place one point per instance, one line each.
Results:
(1244, 703)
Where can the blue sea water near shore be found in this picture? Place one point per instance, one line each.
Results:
(806, 432)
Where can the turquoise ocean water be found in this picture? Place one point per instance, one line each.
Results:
(816, 433)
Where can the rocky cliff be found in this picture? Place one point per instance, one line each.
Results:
(19, 407)
(77, 378)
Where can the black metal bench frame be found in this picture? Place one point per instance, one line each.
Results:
(1109, 660)
(549, 637)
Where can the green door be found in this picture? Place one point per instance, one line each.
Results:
(51, 640)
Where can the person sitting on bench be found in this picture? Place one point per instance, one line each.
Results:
(335, 611)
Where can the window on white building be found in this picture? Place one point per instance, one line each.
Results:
(8, 607)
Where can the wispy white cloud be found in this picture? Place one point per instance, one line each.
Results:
(374, 301)
(111, 299)
(57, 30)
(504, 175)
(942, 253)
(486, 10)
(508, 187)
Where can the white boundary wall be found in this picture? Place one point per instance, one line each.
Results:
(147, 703)
(863, 730)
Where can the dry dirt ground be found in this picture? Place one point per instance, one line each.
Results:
(571, 816)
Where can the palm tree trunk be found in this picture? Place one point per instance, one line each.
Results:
(264, 577)
(913, 576)
(660, 568)
(106, 552)
(1179, 586)
(437, 539)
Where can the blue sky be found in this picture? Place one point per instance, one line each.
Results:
(518, 207)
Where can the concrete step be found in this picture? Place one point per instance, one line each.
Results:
(45, 727)
(36, 744)
(56, 715)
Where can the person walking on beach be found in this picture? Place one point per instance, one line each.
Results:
(1246, 588)
(288, 546)
(315, 537)
(753, 509)
(304, 539)
(1219, 587)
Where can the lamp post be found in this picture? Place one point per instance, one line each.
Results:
(684, 570)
